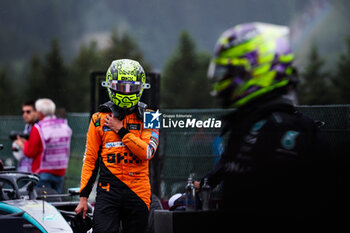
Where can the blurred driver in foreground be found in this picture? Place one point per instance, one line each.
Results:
(273, 159)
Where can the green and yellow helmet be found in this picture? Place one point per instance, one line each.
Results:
(250, 61)
(125, 81)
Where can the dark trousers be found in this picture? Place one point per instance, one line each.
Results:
(115, 204)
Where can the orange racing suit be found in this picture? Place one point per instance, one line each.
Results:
(121, 156)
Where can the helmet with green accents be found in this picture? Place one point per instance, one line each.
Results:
(125, 81)
(251, 60)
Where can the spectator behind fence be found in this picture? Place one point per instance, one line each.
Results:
(30, 117)
(273, 162)
(48, 145)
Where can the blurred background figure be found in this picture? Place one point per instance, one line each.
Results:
(48, 145)
(30, 117)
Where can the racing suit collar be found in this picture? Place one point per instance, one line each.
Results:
(120, 113)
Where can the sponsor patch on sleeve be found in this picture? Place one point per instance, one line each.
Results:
(289, 139)
(105, 128)
(96, 119)
(150, 151)
(114, 144)
(155, 134)
(153, 143)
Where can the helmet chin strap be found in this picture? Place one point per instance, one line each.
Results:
(120, 113)
(125, 111)
(110, 106)
(139, 109)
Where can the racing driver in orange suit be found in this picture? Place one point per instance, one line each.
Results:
(119, 145)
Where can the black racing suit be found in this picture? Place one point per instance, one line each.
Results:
(273, 164)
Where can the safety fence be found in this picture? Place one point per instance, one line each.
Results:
(79, 123)
(184, 150)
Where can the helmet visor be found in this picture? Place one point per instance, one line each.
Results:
(125, 87)
(216, 72)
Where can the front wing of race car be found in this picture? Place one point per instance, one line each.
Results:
(40, 214)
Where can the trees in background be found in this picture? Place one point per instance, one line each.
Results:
(315, 83)
(88, 59)
(48, 79)
(56, 76)
(123, 46)
(319, 86)
(341, 79)
(34, 80)
(184, 82)
(69, 85)
(8, 99)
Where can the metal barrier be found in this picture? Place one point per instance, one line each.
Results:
(193, 152)
(184, 151)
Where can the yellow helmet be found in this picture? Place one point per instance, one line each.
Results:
(125, 81)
